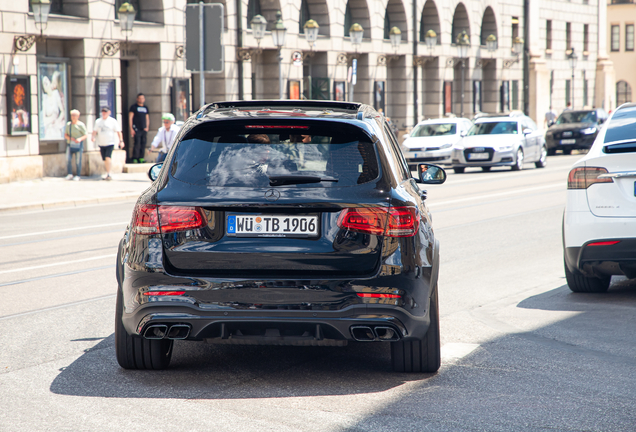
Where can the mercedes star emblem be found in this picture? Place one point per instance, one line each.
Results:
(272, 195)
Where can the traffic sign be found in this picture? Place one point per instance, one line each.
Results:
(297, 58)
(213, 58)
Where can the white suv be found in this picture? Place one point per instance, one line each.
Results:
(433, 140)
(599, 223)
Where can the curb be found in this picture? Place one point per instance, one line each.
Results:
(69, 203)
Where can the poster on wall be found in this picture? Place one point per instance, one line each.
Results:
(294, 89)
(339, 90)
(106, 96)
(18, 105)
(378, 95)
(181, 99)
(476, 96)
(52, 100)
(448, 97)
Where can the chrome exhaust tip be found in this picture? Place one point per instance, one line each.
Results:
(179, 331)
(362, 333)
(156, 332)
(386, 334)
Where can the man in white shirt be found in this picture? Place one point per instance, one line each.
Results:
(166, 136)
(108, 134)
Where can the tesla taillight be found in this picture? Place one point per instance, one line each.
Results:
(153, 219)
(392, 222)
(584, 177)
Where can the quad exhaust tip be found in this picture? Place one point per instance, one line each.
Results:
(161, 331)
(377, 333)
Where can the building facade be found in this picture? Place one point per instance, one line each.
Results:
(621, 17)
(82, 60)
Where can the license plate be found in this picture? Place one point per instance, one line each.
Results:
(568, 141)
(478, 156)
(272, 226)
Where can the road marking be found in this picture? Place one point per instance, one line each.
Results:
(62, 230)
(512, 192)
(58, 264)
(56, 275)
(456, 351)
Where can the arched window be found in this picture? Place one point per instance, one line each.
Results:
(623, 93)
(56, 7)
(387, 24)
(348, 21)
(304, 16)
(253, 9)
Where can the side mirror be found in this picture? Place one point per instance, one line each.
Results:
(153, 172)
(601, 120)
(431, 174)
(405, 137)
(463, 133)
(527, 131)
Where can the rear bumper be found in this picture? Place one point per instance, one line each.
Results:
(584, 142)
(600, 260)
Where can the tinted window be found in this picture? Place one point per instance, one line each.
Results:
(577, 117)
(622, 126)
(494, 128)
(440, 129)
(247, 156)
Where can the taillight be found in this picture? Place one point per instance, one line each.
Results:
(164, 293)
(584, 177)
(604, 243)
(392, 222)
(153, 219)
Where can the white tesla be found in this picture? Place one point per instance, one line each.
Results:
(599, 223)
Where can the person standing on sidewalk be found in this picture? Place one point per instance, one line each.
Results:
(139, 121)
(108, 134)
(166, 135)
(75, 135)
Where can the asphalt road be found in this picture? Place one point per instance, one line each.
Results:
(520, 351)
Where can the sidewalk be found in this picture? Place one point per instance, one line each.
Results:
(49, 192)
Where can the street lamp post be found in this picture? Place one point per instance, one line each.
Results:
(278, 35)
(491, 44)
(41, 10)
(463, 44)
(258, 25)
(572, 58)
(430, 39)
(395, 35)
(355, 33)
(126, 14)
(311, 35)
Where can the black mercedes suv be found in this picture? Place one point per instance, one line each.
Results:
(284, 223)
(575, 130)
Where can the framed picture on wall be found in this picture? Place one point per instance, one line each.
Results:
(294, 89)
(476, 96)
(181, 99)
(106, 96)
(52, 100)
(448, 97)
(378, 95)
(18, 104)
(339, 90)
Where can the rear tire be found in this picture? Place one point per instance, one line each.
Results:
(422, 355)
(518, 166)
(543, 160)
(134, 352)
(459, 170)
(485, 169)
(583, 284)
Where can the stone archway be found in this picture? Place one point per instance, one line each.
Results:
(488, 26)
(395, 16)
(357, 11)
(430, 21)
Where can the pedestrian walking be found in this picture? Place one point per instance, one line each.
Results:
(166, 135)
(568, 107)
(108, 135)
(75, 135)
(550, 117)
(139, 121)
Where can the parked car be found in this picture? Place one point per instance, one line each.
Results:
(575, 130)
(599, 223)
(284, 223)
(433, 140)
(501, 141)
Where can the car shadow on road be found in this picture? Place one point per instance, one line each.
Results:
(204, 371)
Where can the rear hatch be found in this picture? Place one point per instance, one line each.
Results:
(271, 195)
(616, 195)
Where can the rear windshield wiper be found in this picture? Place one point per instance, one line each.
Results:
(281, 180)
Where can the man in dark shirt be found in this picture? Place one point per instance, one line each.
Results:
(139, 121)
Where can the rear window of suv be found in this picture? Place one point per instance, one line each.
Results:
(622, 126)
(250, 155)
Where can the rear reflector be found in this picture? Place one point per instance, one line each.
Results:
(153, 219)
(375, 295)
(392, 222)
(605, 243)
(584, 177)
(164, 293)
